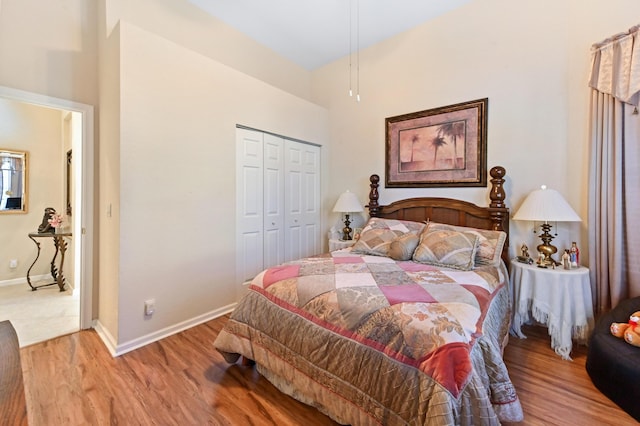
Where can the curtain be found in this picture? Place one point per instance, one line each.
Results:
(614, 177)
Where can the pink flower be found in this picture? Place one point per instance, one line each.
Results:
(55, 220)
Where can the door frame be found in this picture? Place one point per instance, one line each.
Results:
(84, 190)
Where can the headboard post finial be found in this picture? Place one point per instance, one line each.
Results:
(497, 208)
(497, 194)
(373, 205)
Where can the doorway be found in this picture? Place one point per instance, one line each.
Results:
(83, 181)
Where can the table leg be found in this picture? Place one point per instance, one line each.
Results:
(34, 262)
(54, 269)
(60, 244)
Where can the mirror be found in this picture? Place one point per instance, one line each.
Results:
(13, 181)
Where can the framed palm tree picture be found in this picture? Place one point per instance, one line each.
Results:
(439, 147)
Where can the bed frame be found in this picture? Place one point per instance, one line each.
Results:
(449, 210)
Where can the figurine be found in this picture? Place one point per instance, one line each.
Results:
(45, 227)
(575, 255)
(566, 262)
(541, 262)
(524, 257)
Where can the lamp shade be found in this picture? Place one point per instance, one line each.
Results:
(347, 203)
(546, 205)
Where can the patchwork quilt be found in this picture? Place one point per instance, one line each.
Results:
(370, 340)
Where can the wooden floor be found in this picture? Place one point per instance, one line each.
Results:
(553, 391)
(182, 380)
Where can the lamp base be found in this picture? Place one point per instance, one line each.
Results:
(546, 249)
(346, 231)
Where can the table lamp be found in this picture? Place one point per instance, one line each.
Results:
(546, 205)
(347, 203)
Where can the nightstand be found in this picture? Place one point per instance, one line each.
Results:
(336, 244)
(558, 298)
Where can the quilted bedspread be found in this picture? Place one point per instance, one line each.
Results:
(369, 340)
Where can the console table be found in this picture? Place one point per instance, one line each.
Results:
(60, 245)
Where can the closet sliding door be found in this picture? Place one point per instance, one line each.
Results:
(273, 196)
(278, 201)
(302, 168)
(249, 204)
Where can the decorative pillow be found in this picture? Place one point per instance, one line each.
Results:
(490, 243)
(402, 247)
(377, 235)
(451, 249)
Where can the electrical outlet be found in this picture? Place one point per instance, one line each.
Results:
(13, 263)
(149, 307)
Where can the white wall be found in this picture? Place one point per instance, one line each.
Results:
(530, 58)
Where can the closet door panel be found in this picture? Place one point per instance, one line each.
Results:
(311, 240)
(249, 203)
(302, 185)
(311, 200)
(273, 200)
(251, 250)
(293, 200)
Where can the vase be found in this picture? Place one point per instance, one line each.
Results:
(59, 230)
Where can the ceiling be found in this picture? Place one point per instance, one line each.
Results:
(313, 33)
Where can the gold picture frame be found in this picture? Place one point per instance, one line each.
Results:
(439, 147)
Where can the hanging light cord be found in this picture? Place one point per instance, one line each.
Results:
(358, 51)
(350, 45)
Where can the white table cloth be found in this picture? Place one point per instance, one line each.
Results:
(558, 298)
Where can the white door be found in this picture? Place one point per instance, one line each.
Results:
(249, 203)
(273, 200)
(277, 201)
(302, 200)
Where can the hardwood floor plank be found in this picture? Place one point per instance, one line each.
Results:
(73, 380)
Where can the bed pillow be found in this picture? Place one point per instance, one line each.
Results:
(377, 235)
(490, 243)
(447, 248)
(402, 247)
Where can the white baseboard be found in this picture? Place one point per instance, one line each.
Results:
(119, 349)
(105, 336)
(23, 280)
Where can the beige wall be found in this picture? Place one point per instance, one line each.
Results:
(49, 48)
(109, 182)
(530, 58)
(37, 130)
(187, 25)
(178, 117)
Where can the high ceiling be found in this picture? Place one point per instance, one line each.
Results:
(313, 33)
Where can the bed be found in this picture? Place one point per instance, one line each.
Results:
(406, 327)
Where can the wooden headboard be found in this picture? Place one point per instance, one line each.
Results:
(449, 210)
